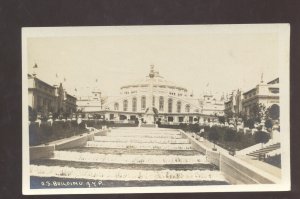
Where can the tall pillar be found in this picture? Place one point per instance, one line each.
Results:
(149, 116)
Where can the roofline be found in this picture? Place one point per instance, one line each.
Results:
(273, 80)
(35, 78)
(140, 85)
(249, 91)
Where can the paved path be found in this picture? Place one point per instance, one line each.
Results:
(275, 171)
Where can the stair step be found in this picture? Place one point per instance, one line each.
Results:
(139, 145)
(176, 136)
(135, 151)
(125, 175)
(129, 158)
(100, 165)
(143, 133)
(265, 150)
(141, 140)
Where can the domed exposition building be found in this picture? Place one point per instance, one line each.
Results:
(167, 101)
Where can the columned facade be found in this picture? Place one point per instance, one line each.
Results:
(171, 103)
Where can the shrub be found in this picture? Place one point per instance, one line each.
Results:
(206, 128)
(213, 134)
(194, 128)
(183, 126)
(221, 119)
(261, 137)
(268, 124)
(46, 129)
(230, 135)
(34, 138)
(250, 123)
(59, 129)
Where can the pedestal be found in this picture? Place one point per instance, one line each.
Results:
(149, 118)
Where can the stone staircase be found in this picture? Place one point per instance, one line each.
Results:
(131, 157)
(264, 150)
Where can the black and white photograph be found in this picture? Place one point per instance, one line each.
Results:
(156, 109)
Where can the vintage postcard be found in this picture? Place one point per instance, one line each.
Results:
(156, 109)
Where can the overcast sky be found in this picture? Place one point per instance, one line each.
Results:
(225, 61)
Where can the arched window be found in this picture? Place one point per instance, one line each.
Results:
(134, 104)
(143, 102)
(116, 106)
(161, 103)
(125, 105)
(178, 106)
(170, 105)
(187, 108)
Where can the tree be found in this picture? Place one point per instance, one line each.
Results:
(32, 114)
(194, 127)
(230, 135)
(261, 137)
(66, 114)
(258, 112)
(229, 114)
(273, 112)
(249, 123)
(268, 124)
(243, 116)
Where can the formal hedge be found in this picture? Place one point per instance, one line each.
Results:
(45, 132)
(99, 123)
(225, 137)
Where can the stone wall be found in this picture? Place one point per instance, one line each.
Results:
(238, 172)
(194, 143)
(72, 142)
(37, 152)
(235, 170)
(213, 157)
(43, 151)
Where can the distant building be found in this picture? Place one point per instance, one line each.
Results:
(171, 102)
(234, 104)
(266, 94)
(212, 106)
(45, 98)
(90, 104)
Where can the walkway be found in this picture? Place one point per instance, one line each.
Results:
(275, 171)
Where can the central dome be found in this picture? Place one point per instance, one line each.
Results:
(156, 79)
